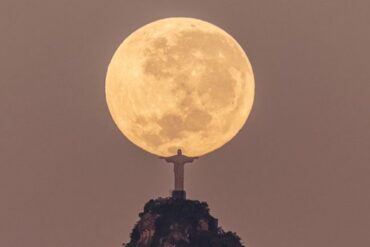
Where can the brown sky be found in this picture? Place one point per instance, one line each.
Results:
(297, 175)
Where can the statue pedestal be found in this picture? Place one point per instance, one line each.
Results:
(179, 194)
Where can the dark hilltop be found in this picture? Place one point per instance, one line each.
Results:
(172, 222)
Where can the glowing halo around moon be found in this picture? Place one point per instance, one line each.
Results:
(179, 83)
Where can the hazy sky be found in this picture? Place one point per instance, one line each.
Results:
(297, 175)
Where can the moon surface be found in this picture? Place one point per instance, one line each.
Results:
(179, 83)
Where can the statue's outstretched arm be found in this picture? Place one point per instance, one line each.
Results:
(190, 159)
(168, 159)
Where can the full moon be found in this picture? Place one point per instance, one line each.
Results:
(179, 83)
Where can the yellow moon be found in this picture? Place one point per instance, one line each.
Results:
(179, 83)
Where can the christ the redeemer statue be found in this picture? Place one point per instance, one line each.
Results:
(179, 162)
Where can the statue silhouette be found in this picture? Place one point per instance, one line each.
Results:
(179, 162)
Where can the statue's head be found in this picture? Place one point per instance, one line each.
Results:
(179, 152)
